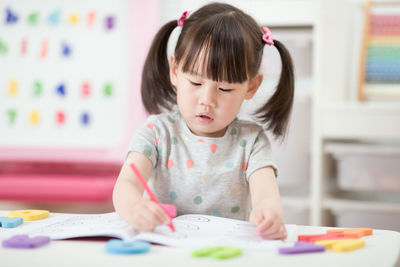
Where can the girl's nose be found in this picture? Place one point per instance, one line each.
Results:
(208, 97)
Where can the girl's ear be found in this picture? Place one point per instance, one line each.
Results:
(173, 70)
(254, 84)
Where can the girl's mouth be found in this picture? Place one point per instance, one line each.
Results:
(204, 118)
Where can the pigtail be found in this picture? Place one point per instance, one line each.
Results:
(276, 111)
(157, 89)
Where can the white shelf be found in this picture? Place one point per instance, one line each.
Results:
(361, 121)
(364, 149)
(299, 203)
(272, 12)
(338, 116)
(344, 205)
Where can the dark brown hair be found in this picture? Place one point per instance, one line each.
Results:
(233, 43)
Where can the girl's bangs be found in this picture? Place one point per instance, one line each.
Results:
(217, 55)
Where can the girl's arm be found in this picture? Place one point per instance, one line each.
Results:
(128, 199)
(267, 212)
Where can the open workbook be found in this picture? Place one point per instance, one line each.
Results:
(192, 230)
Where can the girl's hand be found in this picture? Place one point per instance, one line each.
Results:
(269, 224)
(147, 215)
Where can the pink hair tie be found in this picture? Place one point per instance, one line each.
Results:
(183, 17)
(267, 38)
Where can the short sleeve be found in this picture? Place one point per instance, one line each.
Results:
(144, 140)
(260, 155)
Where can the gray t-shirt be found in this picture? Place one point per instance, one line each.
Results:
(202, 175)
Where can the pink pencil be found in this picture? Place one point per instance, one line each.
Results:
(147, 189)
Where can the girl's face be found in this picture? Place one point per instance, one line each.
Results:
(208, 107)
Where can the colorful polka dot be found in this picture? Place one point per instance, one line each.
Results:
(216, 213)
(200, 140)
(174, 140)
(147, 150)
(197, 200)
(171, 120)
(213, 148)
(206, 177)
(233, 191)
(233, 131)
(189, 164)
(245, 165)
(170, 164)
(54, 17)
(73, 18)
(109, 22)
(24, 43)
(150, 125)
(3, 47)
(66, 49)
(157, 141)
(229, 164)
(235, 209)
(91, 17)
(159, 150)
(243, 143)
(33, 18)
(173, 195)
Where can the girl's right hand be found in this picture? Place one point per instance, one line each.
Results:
(147, 215)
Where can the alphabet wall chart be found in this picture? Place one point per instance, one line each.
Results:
(66, 74)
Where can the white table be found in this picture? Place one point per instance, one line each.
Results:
(382, 249)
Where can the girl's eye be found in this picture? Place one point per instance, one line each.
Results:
(225, 90)
(195, 84)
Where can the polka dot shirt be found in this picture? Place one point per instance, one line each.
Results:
(202, 175)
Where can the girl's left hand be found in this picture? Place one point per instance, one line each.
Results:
(269, 224)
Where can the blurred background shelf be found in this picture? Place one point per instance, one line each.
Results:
(356, 213)
(297, 209)
(343, 205)
(292, 13)
(355, 175)
(296, 202)
(361, 120)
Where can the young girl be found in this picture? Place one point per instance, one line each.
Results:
(200, 158)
